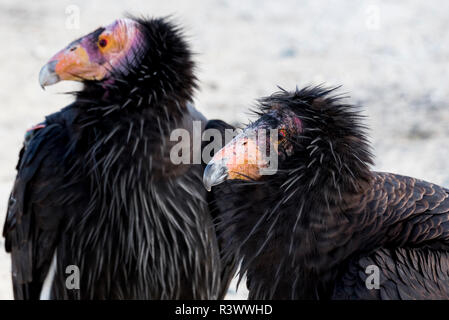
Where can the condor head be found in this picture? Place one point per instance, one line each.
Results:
(319, 143)
(95, 55)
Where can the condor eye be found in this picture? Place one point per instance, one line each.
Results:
(102, 43)
(282, 132)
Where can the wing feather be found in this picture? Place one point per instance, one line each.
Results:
(35, 211)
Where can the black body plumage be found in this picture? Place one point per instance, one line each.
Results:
(97, 186)
(311, 230)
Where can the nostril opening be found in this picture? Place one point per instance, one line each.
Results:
(73, 48)
(223, 171)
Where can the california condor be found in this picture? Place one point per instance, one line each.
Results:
(323, 222)
(96, 189)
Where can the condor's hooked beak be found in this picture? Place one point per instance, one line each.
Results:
(71, 63)
(215, 173)
(241, 159)
(47, 75)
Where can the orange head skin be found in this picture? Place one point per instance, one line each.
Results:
(249, 155)
(94, 56)
(243, 157)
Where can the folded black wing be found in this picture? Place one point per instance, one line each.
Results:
(408, 221)
(36, 208)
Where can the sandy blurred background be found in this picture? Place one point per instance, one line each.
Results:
(391, 57)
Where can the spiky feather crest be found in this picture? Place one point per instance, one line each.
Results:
(330, 149)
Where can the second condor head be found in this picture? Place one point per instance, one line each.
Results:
(303, 141)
